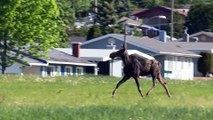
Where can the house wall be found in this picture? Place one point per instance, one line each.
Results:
(62, 70)
(16, 68)
(178, 68)
(35, 70)
(116, 68)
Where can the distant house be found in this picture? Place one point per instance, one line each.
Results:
(134, 25)
(198, 37)
(158, 11)
(195, 47)
(57, 64)
(176, 63)
(159, 16)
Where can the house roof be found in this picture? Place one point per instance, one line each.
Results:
(129, 21)
(137, 23)
(138, 11)
(193, 46)
(33, 61)
(210, 34)
(94, 54)
(56, 57)
(183, 12)
(150, 44)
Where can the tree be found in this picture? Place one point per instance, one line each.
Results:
(200, 18)
(106, 15)
(94, 32)
(70, 10)
(205, 63)
(122, 8)
(178, 22)
(27, 26)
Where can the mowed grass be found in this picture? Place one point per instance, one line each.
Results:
(89, 98)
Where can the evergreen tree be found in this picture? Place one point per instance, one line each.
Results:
(122, 7)
(94, 32)
(106, 16)
(200, 18)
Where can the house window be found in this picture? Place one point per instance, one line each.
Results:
(79, 71)
(50, 71)
(68, 71)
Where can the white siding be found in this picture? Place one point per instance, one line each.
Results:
(180, 67)
(116, 68)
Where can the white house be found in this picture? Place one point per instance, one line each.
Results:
(177, 63)
(106, 65)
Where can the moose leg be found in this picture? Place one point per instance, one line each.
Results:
(124, 79)
(163, 83)
(154, 84)
(138, 86)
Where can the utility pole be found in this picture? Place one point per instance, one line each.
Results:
(125, 33)
(172, 19)
(96, 11)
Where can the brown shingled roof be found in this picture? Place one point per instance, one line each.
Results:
(183, 12)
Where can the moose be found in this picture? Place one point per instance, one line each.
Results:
(136, 66)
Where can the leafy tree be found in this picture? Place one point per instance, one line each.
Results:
(205, 63)
(29, 26)
(94, 32)
(200, 18)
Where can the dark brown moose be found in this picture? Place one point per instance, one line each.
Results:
(136, 66)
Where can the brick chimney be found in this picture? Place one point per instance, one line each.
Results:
(76, 49)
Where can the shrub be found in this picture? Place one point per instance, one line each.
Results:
(205, 63)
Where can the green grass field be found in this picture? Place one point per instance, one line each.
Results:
(89, 98)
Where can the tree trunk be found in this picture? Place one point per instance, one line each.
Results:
(4, 54)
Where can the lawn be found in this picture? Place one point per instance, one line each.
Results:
(89, 98)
